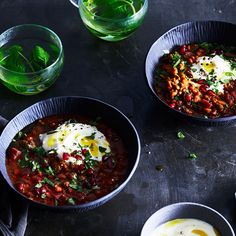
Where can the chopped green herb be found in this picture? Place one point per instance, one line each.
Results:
(48, 181)
(102, 149)
(71, 201)
(180, 135)
(52, 131)
(50, 171)
(233, 65)
(176, 97)
(176, 59)
(24, 162)
(38, 185)
(43, 196)
(35, 165)
(92, 136)
(193, 69)
(39, 151)
(176, 63)
(192, 156)
(20, 135)
(74, 184)
(229, 73)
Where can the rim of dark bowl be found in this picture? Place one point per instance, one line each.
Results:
(201, 120)
(99, 201)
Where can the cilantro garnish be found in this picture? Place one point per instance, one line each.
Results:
(71, 201)
(192, 156)
(102, 149)
(180, 135)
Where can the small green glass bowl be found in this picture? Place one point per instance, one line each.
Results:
(29, 35)
(110, 22)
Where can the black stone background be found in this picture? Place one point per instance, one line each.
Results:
(114, 73)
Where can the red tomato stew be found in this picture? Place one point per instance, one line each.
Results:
(61, 161)
(198, 79)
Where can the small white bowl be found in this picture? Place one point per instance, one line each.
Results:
(188, 210)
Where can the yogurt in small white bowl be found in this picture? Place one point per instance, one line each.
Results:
(187, 219)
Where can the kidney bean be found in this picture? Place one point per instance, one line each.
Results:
(90, 171)
(43, 189)
(202, 81)
(15, 153)
(233, 93)
(81, 167)
(21, 187)
(65, 156)
(203, 88)
(172, 105)
(182, 49)
(206, 104)
(211, 93)
(188, 97)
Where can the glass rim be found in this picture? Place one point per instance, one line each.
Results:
(144, 6)
(41, 27)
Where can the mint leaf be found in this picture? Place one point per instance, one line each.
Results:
(13, 59)
(39, 58)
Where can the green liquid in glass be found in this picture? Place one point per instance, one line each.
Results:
(112, 20)
(23, 66)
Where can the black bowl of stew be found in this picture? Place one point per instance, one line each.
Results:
(69, 153)
(176, 59)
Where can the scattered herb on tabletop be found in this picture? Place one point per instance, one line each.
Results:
(180, 135)
(159, 168)
(192, 156)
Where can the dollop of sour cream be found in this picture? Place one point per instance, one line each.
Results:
(70, 137)
(216, 70)
(185, 227)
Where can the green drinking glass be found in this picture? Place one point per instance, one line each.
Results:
(112, 20)
(31, 58)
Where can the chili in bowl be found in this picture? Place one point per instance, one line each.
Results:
(192, 70)
(62, 157)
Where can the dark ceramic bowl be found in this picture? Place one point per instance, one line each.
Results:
(192, 32)
(82, 106)
(188, 210)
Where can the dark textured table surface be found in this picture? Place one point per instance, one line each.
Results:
(114, 73)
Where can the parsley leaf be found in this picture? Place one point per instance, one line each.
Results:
(192, 156)
(71, 201)
(48, 181)
(102, 149)
(92, 136)
(180, 135)
(176, 59)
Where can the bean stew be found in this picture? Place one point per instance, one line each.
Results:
(66, 160)
(198, 79)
